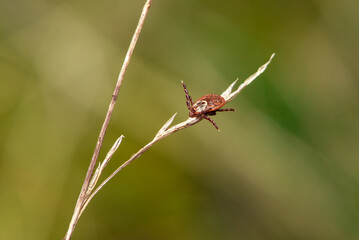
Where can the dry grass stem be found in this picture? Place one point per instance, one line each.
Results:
(102, 165)
(85, 187)
(228, 95)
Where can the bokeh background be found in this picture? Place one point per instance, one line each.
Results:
(285, 165)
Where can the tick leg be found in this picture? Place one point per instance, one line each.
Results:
(225, 110)
(189, 100)
(209, 119)
(211, 113)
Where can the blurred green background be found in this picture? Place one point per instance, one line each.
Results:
(285, 165)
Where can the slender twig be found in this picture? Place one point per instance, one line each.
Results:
(82, 197)
(228, 95)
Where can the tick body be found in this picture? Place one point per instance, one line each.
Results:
(208, 105)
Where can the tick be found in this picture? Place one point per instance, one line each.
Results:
(206, 106)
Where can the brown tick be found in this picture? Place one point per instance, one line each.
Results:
(208, 105)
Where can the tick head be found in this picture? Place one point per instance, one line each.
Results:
(198, 108)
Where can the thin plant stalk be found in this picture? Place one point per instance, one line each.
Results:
(82, 197)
